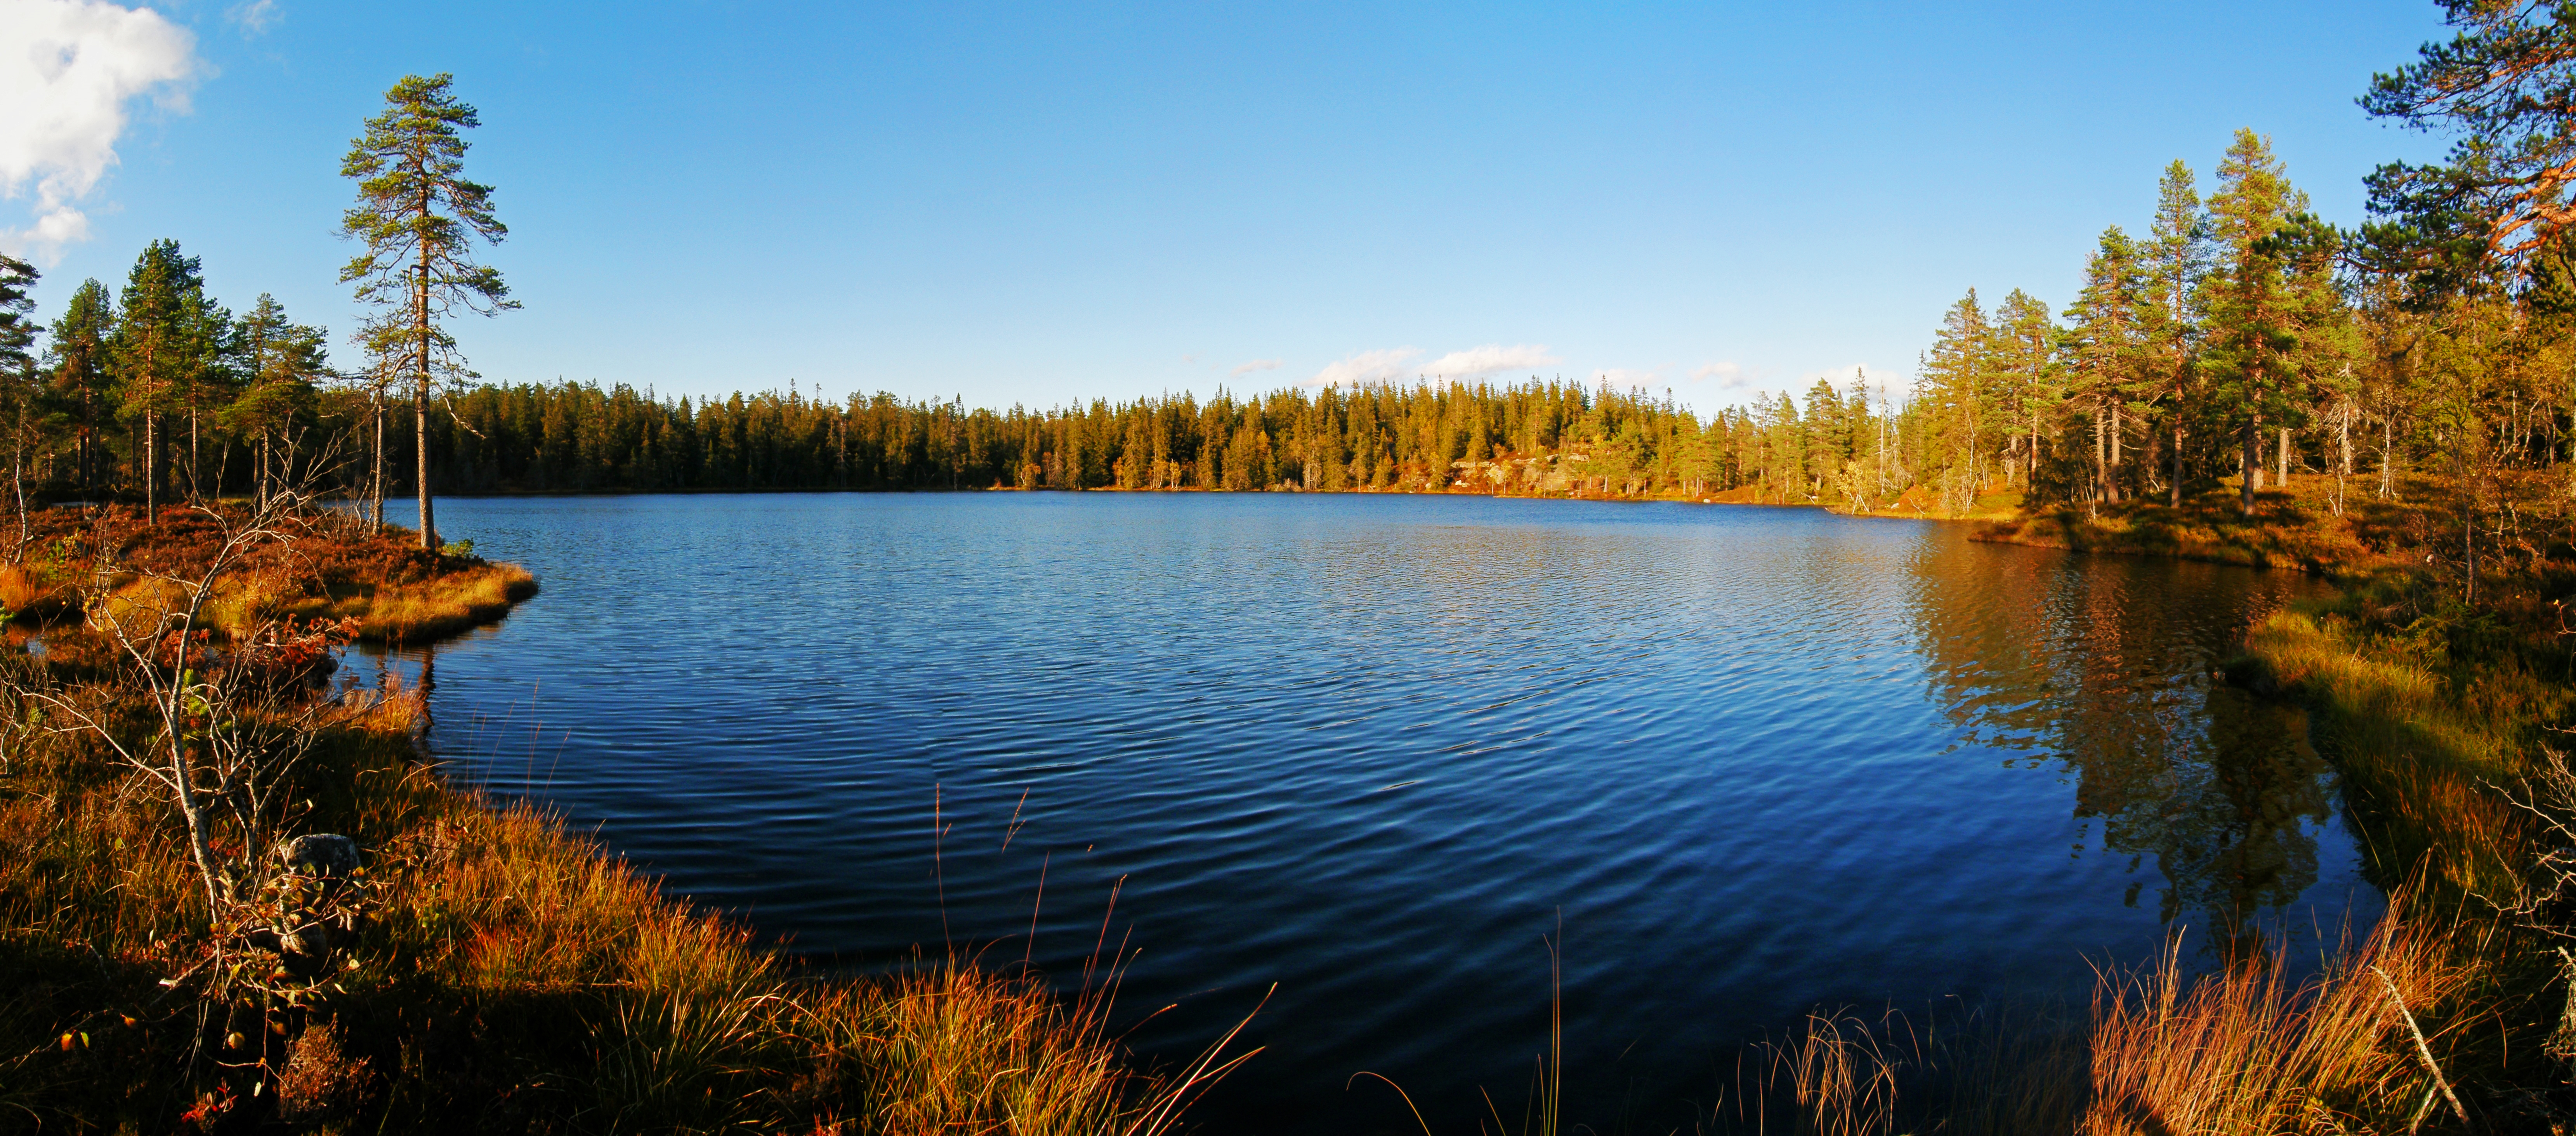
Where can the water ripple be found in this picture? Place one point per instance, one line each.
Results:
(1372, 749)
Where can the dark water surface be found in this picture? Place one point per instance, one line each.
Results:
(1372, 749)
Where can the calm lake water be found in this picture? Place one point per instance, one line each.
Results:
(1374, 749)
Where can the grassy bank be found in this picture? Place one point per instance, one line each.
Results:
(322, 567)
(2298, 528)
(183, 961)
(2442, 688)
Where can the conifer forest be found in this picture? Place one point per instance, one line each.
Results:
(2234, 336)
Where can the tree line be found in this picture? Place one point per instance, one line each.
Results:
(2237, 342)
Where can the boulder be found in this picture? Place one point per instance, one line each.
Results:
(320, 854)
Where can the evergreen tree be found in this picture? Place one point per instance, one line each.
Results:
(78, 358)
(1954, 392)
(206, 379)
(2176, 259)
(157, 348)
(2253, 379)
(2024, 342)
(2108, 348)
(281, 363)
(2507, 84)
(419, 218)
(18, 382)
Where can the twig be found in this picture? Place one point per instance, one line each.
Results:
(2422, 1050)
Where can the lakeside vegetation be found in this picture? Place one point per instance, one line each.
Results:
(2389, 405)
(242, 901)
(239, 899)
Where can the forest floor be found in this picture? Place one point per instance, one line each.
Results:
(487, 971)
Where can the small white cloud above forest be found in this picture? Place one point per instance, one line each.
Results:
(1489, 360)
(1384, 364)
(1242, 369)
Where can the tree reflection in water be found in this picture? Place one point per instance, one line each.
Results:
(2101, 667)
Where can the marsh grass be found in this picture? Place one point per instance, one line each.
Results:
(515, 977)
(2168, 1048)
(329, 568)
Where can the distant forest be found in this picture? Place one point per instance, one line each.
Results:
(2239, 341)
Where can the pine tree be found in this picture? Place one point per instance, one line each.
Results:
(1954, 390)
(2176, 259)
(2507, 84)
(2108, 348)
(2024, 342)
(206, 379)
(2250, 311)
(280, 362)
(78, 358)
(419, 218)
(157, 348)
(18, 381)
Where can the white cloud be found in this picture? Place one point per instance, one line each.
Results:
(1382, 365)
(68, 68)
(1242, 369)
(1492, 358)
(1842, 377)
(1627, 378)
(256, 16)
(1726, 372)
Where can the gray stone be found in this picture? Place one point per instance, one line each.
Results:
(320, 854)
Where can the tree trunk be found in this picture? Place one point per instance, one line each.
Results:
(420, 455)
(2285, 458)
(18, 482)
(2387, 472)
(376, 493)
(2249, 466)
(199, 841)
(2176, 487)
(2111, 476)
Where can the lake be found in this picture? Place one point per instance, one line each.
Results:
(1378, 750)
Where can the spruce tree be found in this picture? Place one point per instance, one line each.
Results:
(419, 218)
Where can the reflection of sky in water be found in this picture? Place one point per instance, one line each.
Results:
(1371, 748)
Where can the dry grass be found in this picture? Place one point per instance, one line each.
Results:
(327, 568)
(516, 977)
(2170, 1050)
(2287, 529)
(2246, 1051)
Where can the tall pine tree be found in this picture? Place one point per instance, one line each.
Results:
(419, 218)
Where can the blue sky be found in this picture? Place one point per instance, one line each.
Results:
(1045, 202)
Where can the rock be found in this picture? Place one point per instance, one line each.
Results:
(306, 949)
(320, 854)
